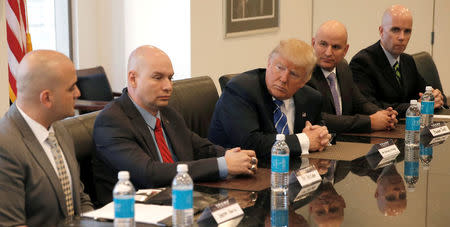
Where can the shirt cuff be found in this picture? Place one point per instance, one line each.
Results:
(304, 142)
(223, 169)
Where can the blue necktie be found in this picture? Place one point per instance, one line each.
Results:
(280, 119)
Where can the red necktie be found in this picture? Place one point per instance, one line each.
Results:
(162, 145)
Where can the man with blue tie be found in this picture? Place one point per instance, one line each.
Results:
(140, 133)
(385, 74)
(258, 104)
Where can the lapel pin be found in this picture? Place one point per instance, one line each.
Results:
(304, 114)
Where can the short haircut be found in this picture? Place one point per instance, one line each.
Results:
(298, 52)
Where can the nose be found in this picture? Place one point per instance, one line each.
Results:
(284, 76)
(77, 93)
(168, 85)
(328, 51)
(401, 36)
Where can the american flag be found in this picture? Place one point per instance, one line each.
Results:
(19, 40)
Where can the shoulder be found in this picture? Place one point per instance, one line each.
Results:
(248, 85)
(310, 93)
(113, 112)
(366, 53)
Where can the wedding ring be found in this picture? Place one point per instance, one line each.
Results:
(253, 168)
(253, 161)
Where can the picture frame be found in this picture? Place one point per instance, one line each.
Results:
(246, 17)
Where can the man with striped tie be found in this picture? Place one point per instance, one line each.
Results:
(39, 175)
(386, 75)
(258, 104)
(140, 133)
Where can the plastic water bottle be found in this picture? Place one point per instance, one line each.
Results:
(280, 164)
(427, 109)
(411, 167)
(279, 208)
(182, 197)
(412, 136)
(426, 155)
(123, 194)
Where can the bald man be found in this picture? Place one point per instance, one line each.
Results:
(345, 109)
(139, 133)
(384, 73)
(39, 176)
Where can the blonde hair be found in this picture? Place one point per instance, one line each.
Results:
(298, 52)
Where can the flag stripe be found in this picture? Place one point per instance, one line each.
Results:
(13, 22)
(14, 45)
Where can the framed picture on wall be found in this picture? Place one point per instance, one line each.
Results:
(244, 17)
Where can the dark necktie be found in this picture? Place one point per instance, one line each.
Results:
(280, 119)
(334, 92)
(398, 76)
(162, 145)
(61, 171)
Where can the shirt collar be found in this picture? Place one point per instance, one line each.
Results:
(149, 119)
(286, 102)
(327, 73)
(38, 130)
(389, 56)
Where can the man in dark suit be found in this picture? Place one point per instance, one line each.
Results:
(386, 75)
(258, 104)
(344, 108)
(39, 175)
(139, 133)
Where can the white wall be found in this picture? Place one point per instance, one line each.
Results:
(4, 85)
(213, 55)
(441, 43)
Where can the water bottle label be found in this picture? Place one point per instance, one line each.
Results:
(279, 217)
(182, 199)
(427, 107)
(124, 207)
(411, 168)
(426, 150)
(413, 123)
(280, 163)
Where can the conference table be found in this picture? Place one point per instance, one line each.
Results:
(352, 193)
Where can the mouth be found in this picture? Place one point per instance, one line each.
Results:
(164, 98)
(279, 88)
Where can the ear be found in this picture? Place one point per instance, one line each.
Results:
(132, 75)
(376, 194)
(380, 30)
(346, 49)
(313, 41)
(46, 98)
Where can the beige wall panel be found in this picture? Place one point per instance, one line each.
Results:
(442, 43)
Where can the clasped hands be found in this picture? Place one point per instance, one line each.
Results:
(318, 136)
(384, 119)
(438, 98)
(241, 161)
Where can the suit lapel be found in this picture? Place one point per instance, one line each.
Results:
(138, 122)
(345, 87)
(36, 150)
(387, 70)
(301, 116)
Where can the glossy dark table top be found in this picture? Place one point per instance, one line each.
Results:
(355, 198)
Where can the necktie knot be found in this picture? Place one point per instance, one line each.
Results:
(278, 102)
(158, 125)
(51, 139)
(332, 77)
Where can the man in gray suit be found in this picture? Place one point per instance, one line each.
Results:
(39, 176)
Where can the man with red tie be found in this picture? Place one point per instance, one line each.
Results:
(139, 133)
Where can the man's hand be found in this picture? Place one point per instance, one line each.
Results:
(384, 119)
(438, 98)
(318, 136)
(241, 161)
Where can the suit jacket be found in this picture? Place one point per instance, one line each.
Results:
(355, 107)
(124, 142)
(29, 186)
(244, 115)
(376, 78)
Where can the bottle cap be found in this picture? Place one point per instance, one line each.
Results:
(411, 188)
(413, 102)
(428, 88)
(124, 175)
(182, 168)
(280, 137)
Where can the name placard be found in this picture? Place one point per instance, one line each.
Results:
(307, 176)
(438, 129)
(305, 191)
(222, 211)
(382, 154)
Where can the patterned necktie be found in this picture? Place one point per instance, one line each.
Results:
(162, 145)
(61, 171)
(398, 76)
(334, 92)
(280, 119)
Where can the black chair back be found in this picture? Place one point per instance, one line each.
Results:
(427, 69)
(223, 80)
(195, 99)
(94, 84)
